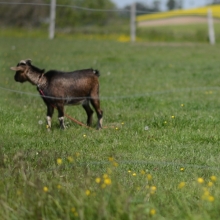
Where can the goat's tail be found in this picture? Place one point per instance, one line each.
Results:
(96, 72)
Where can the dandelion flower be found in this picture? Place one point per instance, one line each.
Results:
(181, 185)
(149, 177)
(152, 212)
(105, 176)
(111, 159)
(173, 116)
(134, 174)
(182, 105)
(59, 161)
(107, 181)
(70, 159)
(88, 192)
(182, 169)
(115, 164)
(213, 178)
(129, 171)
(98, 180)
(153, 189)
(200, 180)
(45, 189)
(211, 198)
(142, 172)
(210, 184)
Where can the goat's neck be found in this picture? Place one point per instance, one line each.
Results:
(36, 78)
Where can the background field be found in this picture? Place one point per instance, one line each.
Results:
(161, 106)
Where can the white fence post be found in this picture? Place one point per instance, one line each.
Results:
(133, 22)
(52, 19)
(211, 27)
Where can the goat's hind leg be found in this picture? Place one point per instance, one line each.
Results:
(96, 104)
(89, 112)
(61, 116)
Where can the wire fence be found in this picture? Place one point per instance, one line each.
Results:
(152, 93)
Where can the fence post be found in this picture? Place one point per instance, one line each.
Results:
(211, 27)
(133, 22)
(52, 19)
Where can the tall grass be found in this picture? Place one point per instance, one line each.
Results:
(159, 156)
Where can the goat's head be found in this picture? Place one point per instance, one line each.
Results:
(22, 70)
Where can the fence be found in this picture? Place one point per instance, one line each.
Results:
(135, 21)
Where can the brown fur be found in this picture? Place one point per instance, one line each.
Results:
(59, 88)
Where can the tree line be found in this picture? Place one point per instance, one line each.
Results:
(22, 13)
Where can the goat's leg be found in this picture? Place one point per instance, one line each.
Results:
(61, 116)
(50, 111)
(89, 112)
(96, 104)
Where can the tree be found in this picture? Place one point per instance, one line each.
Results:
(171, 4)
(26, 14)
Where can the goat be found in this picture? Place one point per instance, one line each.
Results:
(59, 88)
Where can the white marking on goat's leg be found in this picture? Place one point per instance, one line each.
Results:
(49, 122)
(62, 125)
(100, 119)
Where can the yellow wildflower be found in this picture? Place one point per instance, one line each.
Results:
(59, 186)
(59, 161)
(142, 172)
(115, 164)
(98, 180)
(105, 176)
(70, 159)
(45, 189)
(134, 174)
(152, 212)
(181, 185)
(210, 184)
(149, 177)
(172, 116)
(200, 180)
(182, 169)
(213, 178)
(107, 181)
(88, 192)
(211, 198)
(153, 189)
(111, 159)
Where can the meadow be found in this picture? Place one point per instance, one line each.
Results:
(159, 156)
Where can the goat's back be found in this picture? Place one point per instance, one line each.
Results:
(77, 83)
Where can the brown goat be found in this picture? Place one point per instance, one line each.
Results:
(59, 88)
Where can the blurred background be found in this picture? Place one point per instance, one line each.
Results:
(145, 20)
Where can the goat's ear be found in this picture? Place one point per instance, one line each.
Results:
(28, 61)
(17, 68)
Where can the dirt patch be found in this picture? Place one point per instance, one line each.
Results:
(175, 21)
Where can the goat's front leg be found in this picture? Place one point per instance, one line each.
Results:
(50, 111)
(61, 116)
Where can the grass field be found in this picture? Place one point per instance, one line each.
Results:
(159, 156)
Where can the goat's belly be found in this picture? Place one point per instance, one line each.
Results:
(74, 101)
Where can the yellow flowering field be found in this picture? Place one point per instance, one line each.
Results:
(157, 156)
(202, 11)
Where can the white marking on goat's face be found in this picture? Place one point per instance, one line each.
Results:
(20, 75)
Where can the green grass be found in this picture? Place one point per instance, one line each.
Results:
(172, 91)
(178, 33)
